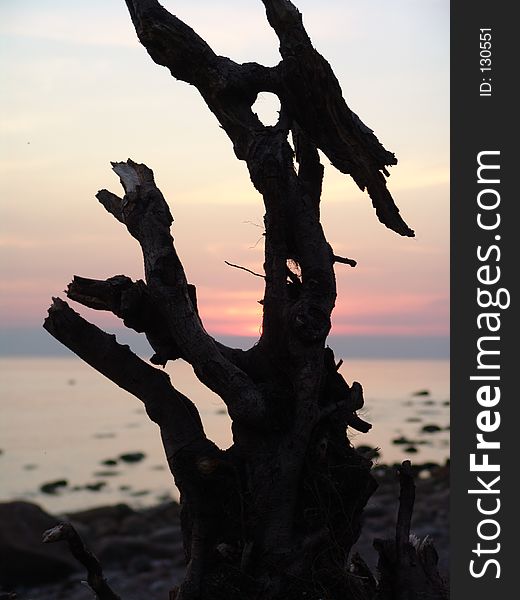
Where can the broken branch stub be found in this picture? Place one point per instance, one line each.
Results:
(146, 215)
(65, 532)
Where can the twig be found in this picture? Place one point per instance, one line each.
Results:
(65, 532)
(344, 261)
(244, 269)
(253, 223)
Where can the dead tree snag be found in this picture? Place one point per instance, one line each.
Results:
(275, 515)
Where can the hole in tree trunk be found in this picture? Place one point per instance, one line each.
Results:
(267, 108)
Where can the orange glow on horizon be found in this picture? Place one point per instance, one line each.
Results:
(65, 115)
(237, 312)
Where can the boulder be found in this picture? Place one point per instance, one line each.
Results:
(23, 557)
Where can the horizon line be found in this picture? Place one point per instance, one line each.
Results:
(36, 342)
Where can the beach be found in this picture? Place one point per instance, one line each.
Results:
(141, 550)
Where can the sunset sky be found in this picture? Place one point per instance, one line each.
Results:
(78, 91)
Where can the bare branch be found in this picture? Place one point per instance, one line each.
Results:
(177, 417)
(172, 43)
(132, 302)
(322, 113)
(244, 269)
(147, 217)
(65, 532)
(104, 294)
(344, 261)
(286, 20)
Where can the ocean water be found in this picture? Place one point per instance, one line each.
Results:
(60, 420)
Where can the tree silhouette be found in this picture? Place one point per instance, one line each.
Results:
(275, 515)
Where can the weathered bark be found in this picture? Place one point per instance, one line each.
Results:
(276, 515)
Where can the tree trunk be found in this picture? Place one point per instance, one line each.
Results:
(275, 515)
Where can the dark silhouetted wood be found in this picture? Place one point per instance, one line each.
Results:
(275, 515)
(408, 566)
(65, 532)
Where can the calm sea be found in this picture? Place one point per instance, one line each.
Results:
(61, 420)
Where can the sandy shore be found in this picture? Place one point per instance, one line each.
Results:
(142, 553)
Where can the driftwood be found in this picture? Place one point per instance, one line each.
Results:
(276, 515)
(65, 532)
(407, 565)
